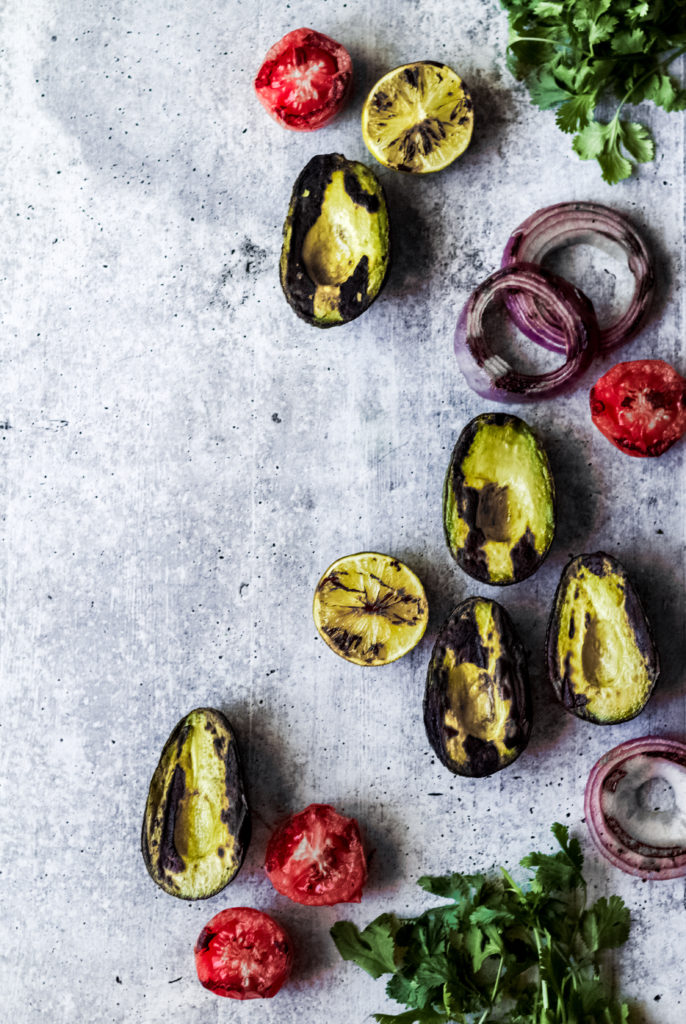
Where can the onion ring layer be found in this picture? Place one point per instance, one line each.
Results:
(569, 223)
(489, 374)
(635, 807)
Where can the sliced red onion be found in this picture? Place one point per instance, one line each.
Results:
(569, 223)
(488, 373)
(635, 807)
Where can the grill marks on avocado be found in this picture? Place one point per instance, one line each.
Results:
(477, 707)
(335, 251)
(498, 500)
(196, 825)
(602, 662)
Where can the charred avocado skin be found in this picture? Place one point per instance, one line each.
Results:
(477, 704)
(196, 826)
(601, 658)
(498, 500)
(336, 243)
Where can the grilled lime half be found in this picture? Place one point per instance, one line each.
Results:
(418, 118)
(370, 608)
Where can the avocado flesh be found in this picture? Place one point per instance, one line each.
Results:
(476, 706)
(196, 823)
(499, 497)
(343, 234)
(603, 664)
(336, 244)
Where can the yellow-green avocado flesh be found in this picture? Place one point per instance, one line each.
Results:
(602, 661)
(499, 500)
(196, 824)
(477, 709)
(336, 245)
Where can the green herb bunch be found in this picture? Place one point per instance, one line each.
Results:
(499, 951)
(577, 54)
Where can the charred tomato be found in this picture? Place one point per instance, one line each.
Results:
(640, 406)
(243, 954)
(305, 79)
(316, 858)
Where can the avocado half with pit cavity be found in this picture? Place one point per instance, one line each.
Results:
(196, 826)
(477, 704)
(498, 500)
(601, 658)
(336, 241)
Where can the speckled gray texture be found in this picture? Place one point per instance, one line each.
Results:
(182, 458)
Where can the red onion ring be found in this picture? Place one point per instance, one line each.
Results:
(613, 804)
(489, 374)
(568, 223)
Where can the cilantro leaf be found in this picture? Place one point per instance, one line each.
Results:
(372, 949)
(557, 872)
(637, 141)
(453, 887)
(413, 992)
(606, 924)
(545, 90)
(614, 166)
(575, 112)
(664, 92)
(601, 30)
(591, 141)
(411, 1017)
(629, 42)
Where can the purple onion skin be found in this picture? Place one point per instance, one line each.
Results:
(488, 374)
(624, 852)
(522, 311)
(564, 224)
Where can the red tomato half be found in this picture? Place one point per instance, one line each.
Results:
(305, 79)
(640, 406)
(243, 954)
(316, 858)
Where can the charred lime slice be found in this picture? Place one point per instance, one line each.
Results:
(370, 608)
(418, 118)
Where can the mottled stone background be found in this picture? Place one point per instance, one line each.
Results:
(182, 458)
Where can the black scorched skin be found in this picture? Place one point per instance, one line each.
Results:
(461, 635)
(471, 557)
(600, 564)
(159, 860)
(303, 213)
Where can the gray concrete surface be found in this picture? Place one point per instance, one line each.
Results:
(182, 458)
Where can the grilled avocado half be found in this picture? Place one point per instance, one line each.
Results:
(498, 500)
(196, 826)
(336, 241)
(601, 658)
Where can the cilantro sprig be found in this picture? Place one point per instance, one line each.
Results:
(577, 55)
(499, 951)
